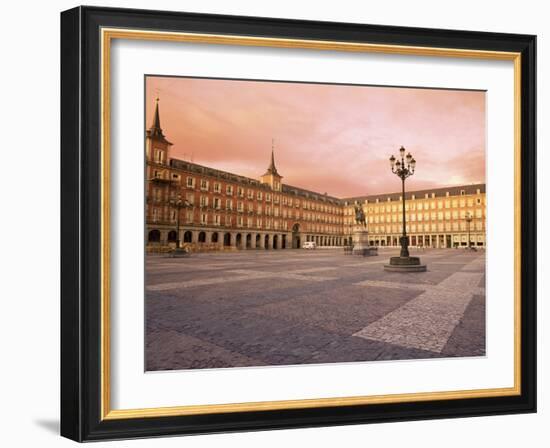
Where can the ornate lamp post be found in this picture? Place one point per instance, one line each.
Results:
(403, 168)
(468, 219)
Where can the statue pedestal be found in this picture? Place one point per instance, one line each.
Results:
(361, 242)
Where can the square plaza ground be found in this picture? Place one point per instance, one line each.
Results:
(254, 308)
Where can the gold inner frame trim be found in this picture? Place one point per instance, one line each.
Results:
(107, 35)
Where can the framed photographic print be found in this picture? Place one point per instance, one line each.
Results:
(272, 223)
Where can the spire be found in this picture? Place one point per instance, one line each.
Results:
(156, 120)
(272, 169)
(155, 131)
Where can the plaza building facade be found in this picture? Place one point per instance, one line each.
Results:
(210, 209)
(219, 209)
(435, 218)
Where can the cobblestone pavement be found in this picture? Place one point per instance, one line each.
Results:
(254, 308)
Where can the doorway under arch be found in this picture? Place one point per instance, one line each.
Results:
(154, 236)
(227, 239)
(188, 237)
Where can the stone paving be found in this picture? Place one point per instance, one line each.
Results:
(254, 308)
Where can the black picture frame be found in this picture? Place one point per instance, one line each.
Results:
(81, 209)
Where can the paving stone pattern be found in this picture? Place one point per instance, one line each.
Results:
(255, 308)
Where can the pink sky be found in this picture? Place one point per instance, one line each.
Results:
(328, 138)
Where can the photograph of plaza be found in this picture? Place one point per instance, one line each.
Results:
(296, 223)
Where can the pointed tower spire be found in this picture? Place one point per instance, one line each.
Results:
(155, 131)
(272, 168)
(156, 120)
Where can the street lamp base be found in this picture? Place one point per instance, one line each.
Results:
(405, 264)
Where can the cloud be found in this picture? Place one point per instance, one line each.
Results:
(329, 138)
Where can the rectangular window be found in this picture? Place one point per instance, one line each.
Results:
(204, 218)
(191, 182)
(158, 156)
(229, 204)
(217, 187)
(229, 190)
(204, 184)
